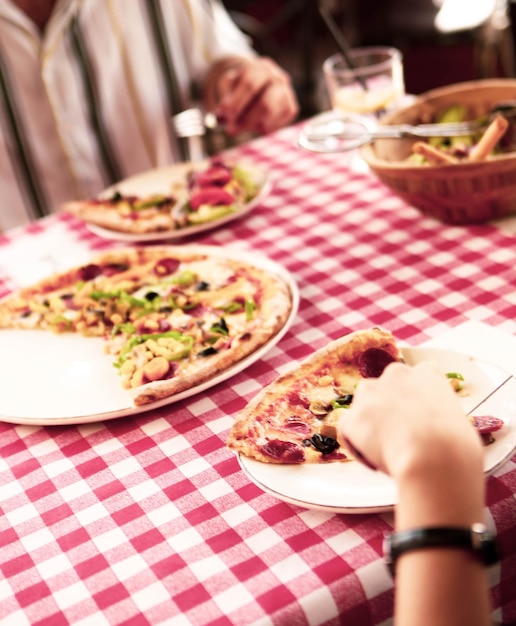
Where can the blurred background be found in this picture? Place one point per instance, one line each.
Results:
(443, 41)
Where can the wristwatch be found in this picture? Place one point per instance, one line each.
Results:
(477, 539)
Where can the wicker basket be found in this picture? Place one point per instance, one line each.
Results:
(462, 193)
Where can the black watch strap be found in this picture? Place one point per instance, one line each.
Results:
(476, 539)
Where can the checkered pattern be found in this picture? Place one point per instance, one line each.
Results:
(149, 520)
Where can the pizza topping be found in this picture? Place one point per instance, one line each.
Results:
(487, 424)
(214, 196)
(283, 451)
(89, 272)
(216, 175)
(323, 444)
(208, 351)
(153, 201)
(294, 424)
(320, 398)
(156, 369)
(166, 266)
(342, 402)
(373, 361)
(456, 379)
(109, 269)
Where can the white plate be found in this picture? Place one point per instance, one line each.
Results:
(160, 181)
(50, 379)
(352, 487)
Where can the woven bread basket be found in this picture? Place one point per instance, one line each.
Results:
(460, 193)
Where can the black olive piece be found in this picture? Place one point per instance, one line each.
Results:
(208, 351)
(116, 197)
(165, 309)
(202, 286)
(66, 296)
(323, 444)
(344, 400)
(151, 295)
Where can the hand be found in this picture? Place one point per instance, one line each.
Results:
(254, 95)
(404, 414)
(409, 424)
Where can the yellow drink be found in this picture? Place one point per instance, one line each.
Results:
(356, 100)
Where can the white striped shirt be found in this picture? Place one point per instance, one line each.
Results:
(89, 102)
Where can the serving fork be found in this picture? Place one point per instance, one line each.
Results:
(334, 131)
(353, 130)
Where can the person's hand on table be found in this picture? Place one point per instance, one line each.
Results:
(409, 424)
(251, 95)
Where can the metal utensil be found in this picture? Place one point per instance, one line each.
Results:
(337, 132)
(191, 124)
(333, 132)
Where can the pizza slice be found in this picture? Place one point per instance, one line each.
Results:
(195, 196)
(293, 419)
(171, 318)
(127, 213)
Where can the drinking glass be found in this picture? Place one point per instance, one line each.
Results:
(360, 94)
(372, 87)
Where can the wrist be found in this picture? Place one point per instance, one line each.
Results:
(442, 489)
(475, 539)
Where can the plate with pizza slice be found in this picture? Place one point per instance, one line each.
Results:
(170, 203)
(137, 328)
(285, 438)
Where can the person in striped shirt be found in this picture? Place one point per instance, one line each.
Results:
(88, 88)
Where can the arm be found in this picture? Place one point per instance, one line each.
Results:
(250, 94)
(425, 442)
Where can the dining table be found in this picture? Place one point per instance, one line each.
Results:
(149, 518)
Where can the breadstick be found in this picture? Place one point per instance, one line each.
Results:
(432, 153)
(489, 139)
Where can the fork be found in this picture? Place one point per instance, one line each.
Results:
(191, 124)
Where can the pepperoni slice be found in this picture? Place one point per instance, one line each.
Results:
(373, 361)
(166, 266)
(89, 272)
(487, 423)
(109, 269)
(214, 196)
(284, 451)
(215, 176)
(297, 426)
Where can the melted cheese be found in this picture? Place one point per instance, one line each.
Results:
(214, 272)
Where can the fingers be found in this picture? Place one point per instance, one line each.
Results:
(398, 413)
(256, 96)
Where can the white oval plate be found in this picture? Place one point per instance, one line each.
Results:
(50, 379)
(350, 487)
(160, 181)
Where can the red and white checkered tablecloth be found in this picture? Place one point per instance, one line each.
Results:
(149, 519)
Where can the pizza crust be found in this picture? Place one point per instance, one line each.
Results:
(106, 216)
